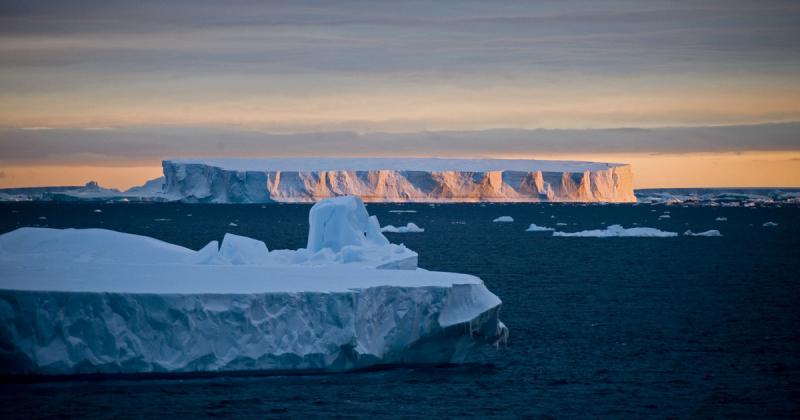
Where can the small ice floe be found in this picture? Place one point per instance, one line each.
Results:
(619, 231)
(408, 228)
(721, 219)
(162, 220)
(189, 215)
(561, 224)
(769, 224)
(664, 216)
(232, 224)
(97, 211)
(552, 217)
(535, 228)
(458, 222)
(712, 232)
(503, 219)
(402, 211)
(45, 218)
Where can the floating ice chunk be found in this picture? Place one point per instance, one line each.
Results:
(503, 219)
(561, 224)
(97, 211)
(712, 232)
(618, 231)
(240, 250)
(402, 211)
(721, 219)
(534, 228)
(408, 228)
(232, 224)
(769, 224)
(664, 216)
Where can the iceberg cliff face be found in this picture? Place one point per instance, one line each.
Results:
(396, 180)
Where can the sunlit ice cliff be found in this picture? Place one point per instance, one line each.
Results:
(395, 180)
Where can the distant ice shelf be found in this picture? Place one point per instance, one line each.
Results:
(98, 301)
(395, 180)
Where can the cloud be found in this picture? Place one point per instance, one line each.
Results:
(105, 63)
(149, 144)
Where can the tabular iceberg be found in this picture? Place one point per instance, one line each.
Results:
(395, 180)
(98, 301)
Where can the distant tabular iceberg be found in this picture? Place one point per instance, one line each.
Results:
(302, 180)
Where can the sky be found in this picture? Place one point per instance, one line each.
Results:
(693, 93)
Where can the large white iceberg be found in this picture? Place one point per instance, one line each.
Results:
(98, 301)
(395, 180)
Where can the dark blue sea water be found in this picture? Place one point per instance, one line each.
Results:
(618, 327)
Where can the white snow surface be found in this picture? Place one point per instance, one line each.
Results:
(503, 219)
(99, 301)
(712, 232)
(395, 180)
(535, 228)
(615, 231)
(410, 227)
(306, 164)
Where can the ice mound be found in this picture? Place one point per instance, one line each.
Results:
(535, 228)
(98, 301)
(341, 231)
(614, 231)
(770, 224)
(712, 232)
(237, 249)
(503, 219)
(342, 221)
(409, 227)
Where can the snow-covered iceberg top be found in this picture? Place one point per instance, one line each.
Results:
(99, 301)
(396, 164)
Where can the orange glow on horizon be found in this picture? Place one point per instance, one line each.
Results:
(745, 169)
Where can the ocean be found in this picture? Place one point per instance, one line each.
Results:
(600, 327)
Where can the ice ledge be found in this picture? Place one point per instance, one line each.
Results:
(69, 333)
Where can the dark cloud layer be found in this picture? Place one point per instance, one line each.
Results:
(149, 144)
